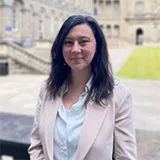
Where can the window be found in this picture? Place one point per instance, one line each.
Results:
(116, 7)
(3, 67)
(139, 8)
(95, 1)
(95, 12)
(108, 2)
(16, 15)
(101, 26)
(100, 1)
(109, 34)
(116, 31)
(41, 23)
(139, 36)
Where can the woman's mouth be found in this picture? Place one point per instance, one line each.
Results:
(76, 59)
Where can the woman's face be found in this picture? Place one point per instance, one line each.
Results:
(79, 47)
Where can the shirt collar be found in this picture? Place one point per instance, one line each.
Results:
(89, 83)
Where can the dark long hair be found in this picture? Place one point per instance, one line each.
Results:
(102, 81)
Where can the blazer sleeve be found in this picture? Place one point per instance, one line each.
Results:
(35, 149)
(124, 131)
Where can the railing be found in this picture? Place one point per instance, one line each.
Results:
(147, 16)
(24, 57)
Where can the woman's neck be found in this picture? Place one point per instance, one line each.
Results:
(79, 79)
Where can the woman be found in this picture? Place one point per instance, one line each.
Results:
(81, 112)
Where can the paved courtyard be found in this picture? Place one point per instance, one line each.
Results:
(18, 94)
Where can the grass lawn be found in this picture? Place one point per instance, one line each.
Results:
(143, 63)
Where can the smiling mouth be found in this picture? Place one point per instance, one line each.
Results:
(76, 58)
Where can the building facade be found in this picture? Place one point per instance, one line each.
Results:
(136, 21)
(35, 23)
(26, 21)
(26, 24)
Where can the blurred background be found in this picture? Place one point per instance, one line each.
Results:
(27, 31)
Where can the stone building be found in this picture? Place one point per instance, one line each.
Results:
(27, 21)
(136, 21)
(28, 27)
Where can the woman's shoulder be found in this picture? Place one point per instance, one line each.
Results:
(121, 92)
(43, 88)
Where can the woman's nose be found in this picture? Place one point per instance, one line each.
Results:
(76, 48)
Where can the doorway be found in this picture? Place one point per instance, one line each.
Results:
(3, 68)
(139, 36)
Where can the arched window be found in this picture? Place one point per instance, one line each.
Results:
(116, 31)
(101, 1)
(108, 2)
(109, 33)
(116, 7)
(95, 12)
(139, 8)
(95, 1)
(101, 26)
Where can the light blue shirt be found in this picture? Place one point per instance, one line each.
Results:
(68, 127)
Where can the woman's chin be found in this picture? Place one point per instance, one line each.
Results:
(77, 69)
(80, 68)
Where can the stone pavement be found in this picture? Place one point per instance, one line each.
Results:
(18, 94)
(146, 108)
(118, 56)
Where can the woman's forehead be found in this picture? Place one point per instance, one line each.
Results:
(82, 30)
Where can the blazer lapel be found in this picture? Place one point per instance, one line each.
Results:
(94, 117)
(51, 113)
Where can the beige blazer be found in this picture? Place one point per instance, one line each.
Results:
(108, 131)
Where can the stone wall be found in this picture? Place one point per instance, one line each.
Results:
(17, 68)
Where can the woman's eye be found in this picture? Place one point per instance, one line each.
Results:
(67, 42)
(85, 41)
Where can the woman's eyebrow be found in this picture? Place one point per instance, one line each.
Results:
(80, 37)
(84, 37)
(68, 37)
